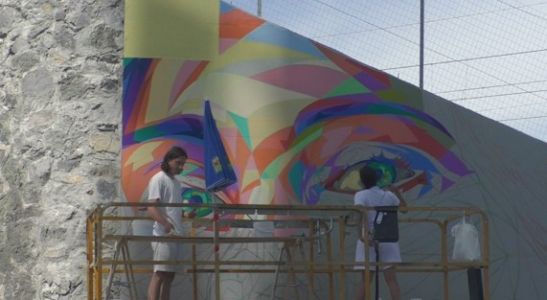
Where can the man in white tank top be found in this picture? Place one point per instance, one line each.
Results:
(373, 196)
(164, 188)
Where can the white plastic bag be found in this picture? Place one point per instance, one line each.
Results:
(466, 241)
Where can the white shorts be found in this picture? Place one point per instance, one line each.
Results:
(389, 252)
(167, 251)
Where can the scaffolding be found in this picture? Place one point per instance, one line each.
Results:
(301, 233)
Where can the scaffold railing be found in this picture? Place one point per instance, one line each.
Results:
(298, 229)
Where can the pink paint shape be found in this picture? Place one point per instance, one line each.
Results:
(251, 164)
(311, 80)
(230, 143)
(333, 139)
(183, 75)
(225, 44)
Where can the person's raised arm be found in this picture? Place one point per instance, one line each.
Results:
(395, 190)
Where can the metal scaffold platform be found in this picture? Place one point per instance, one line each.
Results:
(311, 243)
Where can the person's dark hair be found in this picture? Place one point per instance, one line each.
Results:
(369, 176)
(173, 153)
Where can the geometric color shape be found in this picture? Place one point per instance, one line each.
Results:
(153, 29)
(349, 86)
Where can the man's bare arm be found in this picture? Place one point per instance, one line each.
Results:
(395, 191)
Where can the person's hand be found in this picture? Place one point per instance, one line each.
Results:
(190, 214)
(168, 227)
(392, 188)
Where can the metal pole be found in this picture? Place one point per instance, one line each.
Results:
(99, 253)
(486, 256)
(90, 259)
(216, 249)
(259, 8)
(422, 5)
(444, 259)
(341, 237)
(194, 265)
(330, 271)
(311, 260)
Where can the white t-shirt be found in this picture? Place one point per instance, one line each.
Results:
(389, 252)
(167, 190)
(375, 197)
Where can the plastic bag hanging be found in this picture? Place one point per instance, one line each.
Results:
(466, 241)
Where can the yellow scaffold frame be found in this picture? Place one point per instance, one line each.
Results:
(319, 219)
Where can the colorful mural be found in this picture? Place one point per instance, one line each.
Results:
(297, 119)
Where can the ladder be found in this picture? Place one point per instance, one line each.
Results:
(121, 248)
(288, 263)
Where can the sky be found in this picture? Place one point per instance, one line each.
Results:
(489, 56)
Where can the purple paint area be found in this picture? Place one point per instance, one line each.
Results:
(370, 82)
(454, 164)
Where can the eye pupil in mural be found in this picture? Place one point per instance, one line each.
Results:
(194, 196)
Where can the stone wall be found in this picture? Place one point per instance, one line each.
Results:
(60, 108)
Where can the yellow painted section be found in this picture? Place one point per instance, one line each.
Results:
(161, 29)
(143, 155)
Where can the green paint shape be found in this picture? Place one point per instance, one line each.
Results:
(243, 127)
(404, 93)
(126, 61)
(147, 134)
(349, 86)
(188, 169)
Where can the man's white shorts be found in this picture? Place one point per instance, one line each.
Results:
(389, 253)
(167, 251)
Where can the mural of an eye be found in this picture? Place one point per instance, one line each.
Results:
(335, 137)
(297, 119)
(390, 171)
(349, 182)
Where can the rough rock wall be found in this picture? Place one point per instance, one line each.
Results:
(60, 93)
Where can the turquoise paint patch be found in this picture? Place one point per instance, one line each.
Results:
(243, 127)
(295, 178)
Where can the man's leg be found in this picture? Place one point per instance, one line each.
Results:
(391, 280)
(363, 287)
(166, 280)
(154, 287)
(160, 283)
(361, 293)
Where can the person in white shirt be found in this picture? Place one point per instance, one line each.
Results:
(373, 196)
(164, 188)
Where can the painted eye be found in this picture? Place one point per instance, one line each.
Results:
(389, 171)
(348, 182)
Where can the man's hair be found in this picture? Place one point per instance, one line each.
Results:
(369, 176)
(173, 153)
